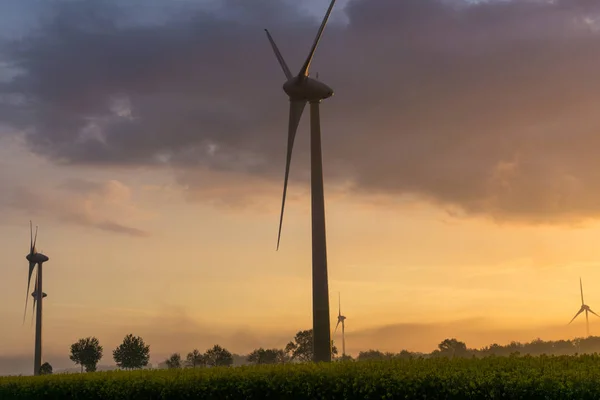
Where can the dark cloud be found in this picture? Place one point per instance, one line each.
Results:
(97, 205)
(487, 107)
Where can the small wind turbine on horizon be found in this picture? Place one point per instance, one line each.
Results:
(302, 89)
(340, 320)
(583, 308)
(34, 259)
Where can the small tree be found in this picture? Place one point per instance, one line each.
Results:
(86, 352)
(218, 357)
(174, 361)
(452, 348)
(132, 353)
(46, 369)
(301, 348)
(195, 359)
(268, 356)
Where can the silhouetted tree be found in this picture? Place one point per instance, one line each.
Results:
(268, 356)
(195, 359)
(86, 352)
(174, 361)
(374, 355)
(344, 358)
(46, 369)
(301, 348)
(405, 355)
(218, 357)
(453, 348)
(132, 353)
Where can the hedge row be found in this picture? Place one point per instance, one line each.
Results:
(564, 377)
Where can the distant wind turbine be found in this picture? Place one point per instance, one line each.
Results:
(583, 308)
(301, 90)
(340, 320)
(34, 259)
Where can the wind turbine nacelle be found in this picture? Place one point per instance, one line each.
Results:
(36, 258)
(300, 88)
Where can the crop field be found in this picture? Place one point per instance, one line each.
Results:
(545, 377)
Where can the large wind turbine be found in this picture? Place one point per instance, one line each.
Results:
(583, 308)
(301, 90)
(340, 320)
(34, 259)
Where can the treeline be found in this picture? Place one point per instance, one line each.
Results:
(456, 348)
(133, 353)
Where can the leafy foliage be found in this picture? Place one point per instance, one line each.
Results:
(544, 377)
(46, 369)
(195, 359)
(174, 361)
(218, 357)
(301, 348)
(132, 353)
(86, 352)
(268, 356)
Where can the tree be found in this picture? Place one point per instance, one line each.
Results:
(132, 353)
(218, 357)
(373, 355)
(46, 369)
(301, 348)
(195, 359)
(86, 352)
(452, 348)
(268, 356)
(174, 361)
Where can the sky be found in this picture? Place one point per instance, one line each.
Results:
(147, 140)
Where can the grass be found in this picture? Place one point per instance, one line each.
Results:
(564, 377)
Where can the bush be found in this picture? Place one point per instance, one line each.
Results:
(564, 377)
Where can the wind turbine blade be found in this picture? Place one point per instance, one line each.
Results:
(30, 237)
(580, 311)
(31, 268)
(296, 110)
(34, 298)
(581, 288)
(286, 70)
(34, 240)
(336, 326)
(594, 313)
(306, 66)
(339, 303)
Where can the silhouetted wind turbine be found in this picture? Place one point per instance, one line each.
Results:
(34, 259)
(34, 295)
(340, 320)
(301, 90)
(582, 309)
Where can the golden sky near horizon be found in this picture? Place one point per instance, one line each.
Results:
(211, 272)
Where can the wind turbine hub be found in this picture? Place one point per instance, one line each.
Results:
(36, 258)
(304, 88)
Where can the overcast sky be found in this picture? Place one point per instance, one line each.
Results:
(147, 140)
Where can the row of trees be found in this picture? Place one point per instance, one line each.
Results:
(456, 348)
(134, 353)
(298, 350)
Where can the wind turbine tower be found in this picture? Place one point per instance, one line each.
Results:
(301, 90)
(34, 259)
(340, 320)
(583, 308)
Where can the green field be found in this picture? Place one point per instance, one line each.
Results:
(563, 377)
